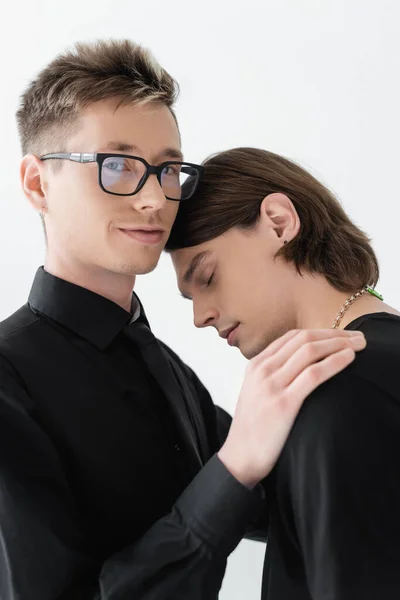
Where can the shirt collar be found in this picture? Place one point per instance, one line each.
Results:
(136, 308)
(93, 317)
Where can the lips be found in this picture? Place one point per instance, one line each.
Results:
(230, 334)
(150, 237)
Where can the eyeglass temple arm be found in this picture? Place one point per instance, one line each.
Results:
(74, 156)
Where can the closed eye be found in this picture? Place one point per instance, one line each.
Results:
(209, 282)
(185, 296)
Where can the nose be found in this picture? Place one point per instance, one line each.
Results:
(204, 316)
(151, 197)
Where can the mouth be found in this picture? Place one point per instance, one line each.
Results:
(150, 236)
(230, 334)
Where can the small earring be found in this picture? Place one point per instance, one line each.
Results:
(285, 242)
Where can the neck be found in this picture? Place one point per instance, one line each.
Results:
(318, 303)
(114, 286)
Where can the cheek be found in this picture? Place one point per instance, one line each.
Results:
(170, 212)
(72, 185)
(87, 189)
(80, 186)
(240, 295)
(77, 204)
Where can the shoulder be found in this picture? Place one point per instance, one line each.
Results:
(17, 323)
(382, 332)
(364, 399)
(370, 384)
(352, 414)
(378, 364)
(15, 335)
(23, 335)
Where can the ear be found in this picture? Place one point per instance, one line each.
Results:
(32, 174)
(277, 211)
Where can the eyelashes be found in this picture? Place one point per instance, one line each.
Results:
(205, 277)
(204, 281)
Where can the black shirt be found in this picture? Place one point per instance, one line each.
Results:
(334, 495)
(104, 494)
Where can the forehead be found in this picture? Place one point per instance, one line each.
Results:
(150, 127)
(187, 260)
(182, 258)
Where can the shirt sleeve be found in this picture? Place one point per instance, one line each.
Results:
(342, 462)
(44, 554)
(218, 424)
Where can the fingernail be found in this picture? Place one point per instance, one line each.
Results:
(357, 333)
(358, 341)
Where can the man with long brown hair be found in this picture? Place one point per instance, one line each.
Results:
(111, 487)
(262, 248)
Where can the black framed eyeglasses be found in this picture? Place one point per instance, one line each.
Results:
(125, 175)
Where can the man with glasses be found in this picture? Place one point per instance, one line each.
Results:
(111, 486)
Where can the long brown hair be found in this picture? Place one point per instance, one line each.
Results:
(230, 194)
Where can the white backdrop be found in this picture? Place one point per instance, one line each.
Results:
(315, 80)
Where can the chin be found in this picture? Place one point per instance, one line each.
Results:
(249, 354)
(140, 268)
(144, 269)
(247, 350)
(131, 268)
(147, 262)
(136, 265)
(251, 350)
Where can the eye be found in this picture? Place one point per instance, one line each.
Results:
(115, 166)
(205, 276)
(171, 170)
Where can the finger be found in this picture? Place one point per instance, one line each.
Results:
(316, 374)
(275, 346)
(312, 353)
(302, 337)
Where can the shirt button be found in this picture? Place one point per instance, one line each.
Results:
(177, 447)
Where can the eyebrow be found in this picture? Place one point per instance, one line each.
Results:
(123, 147)
(194, 264)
